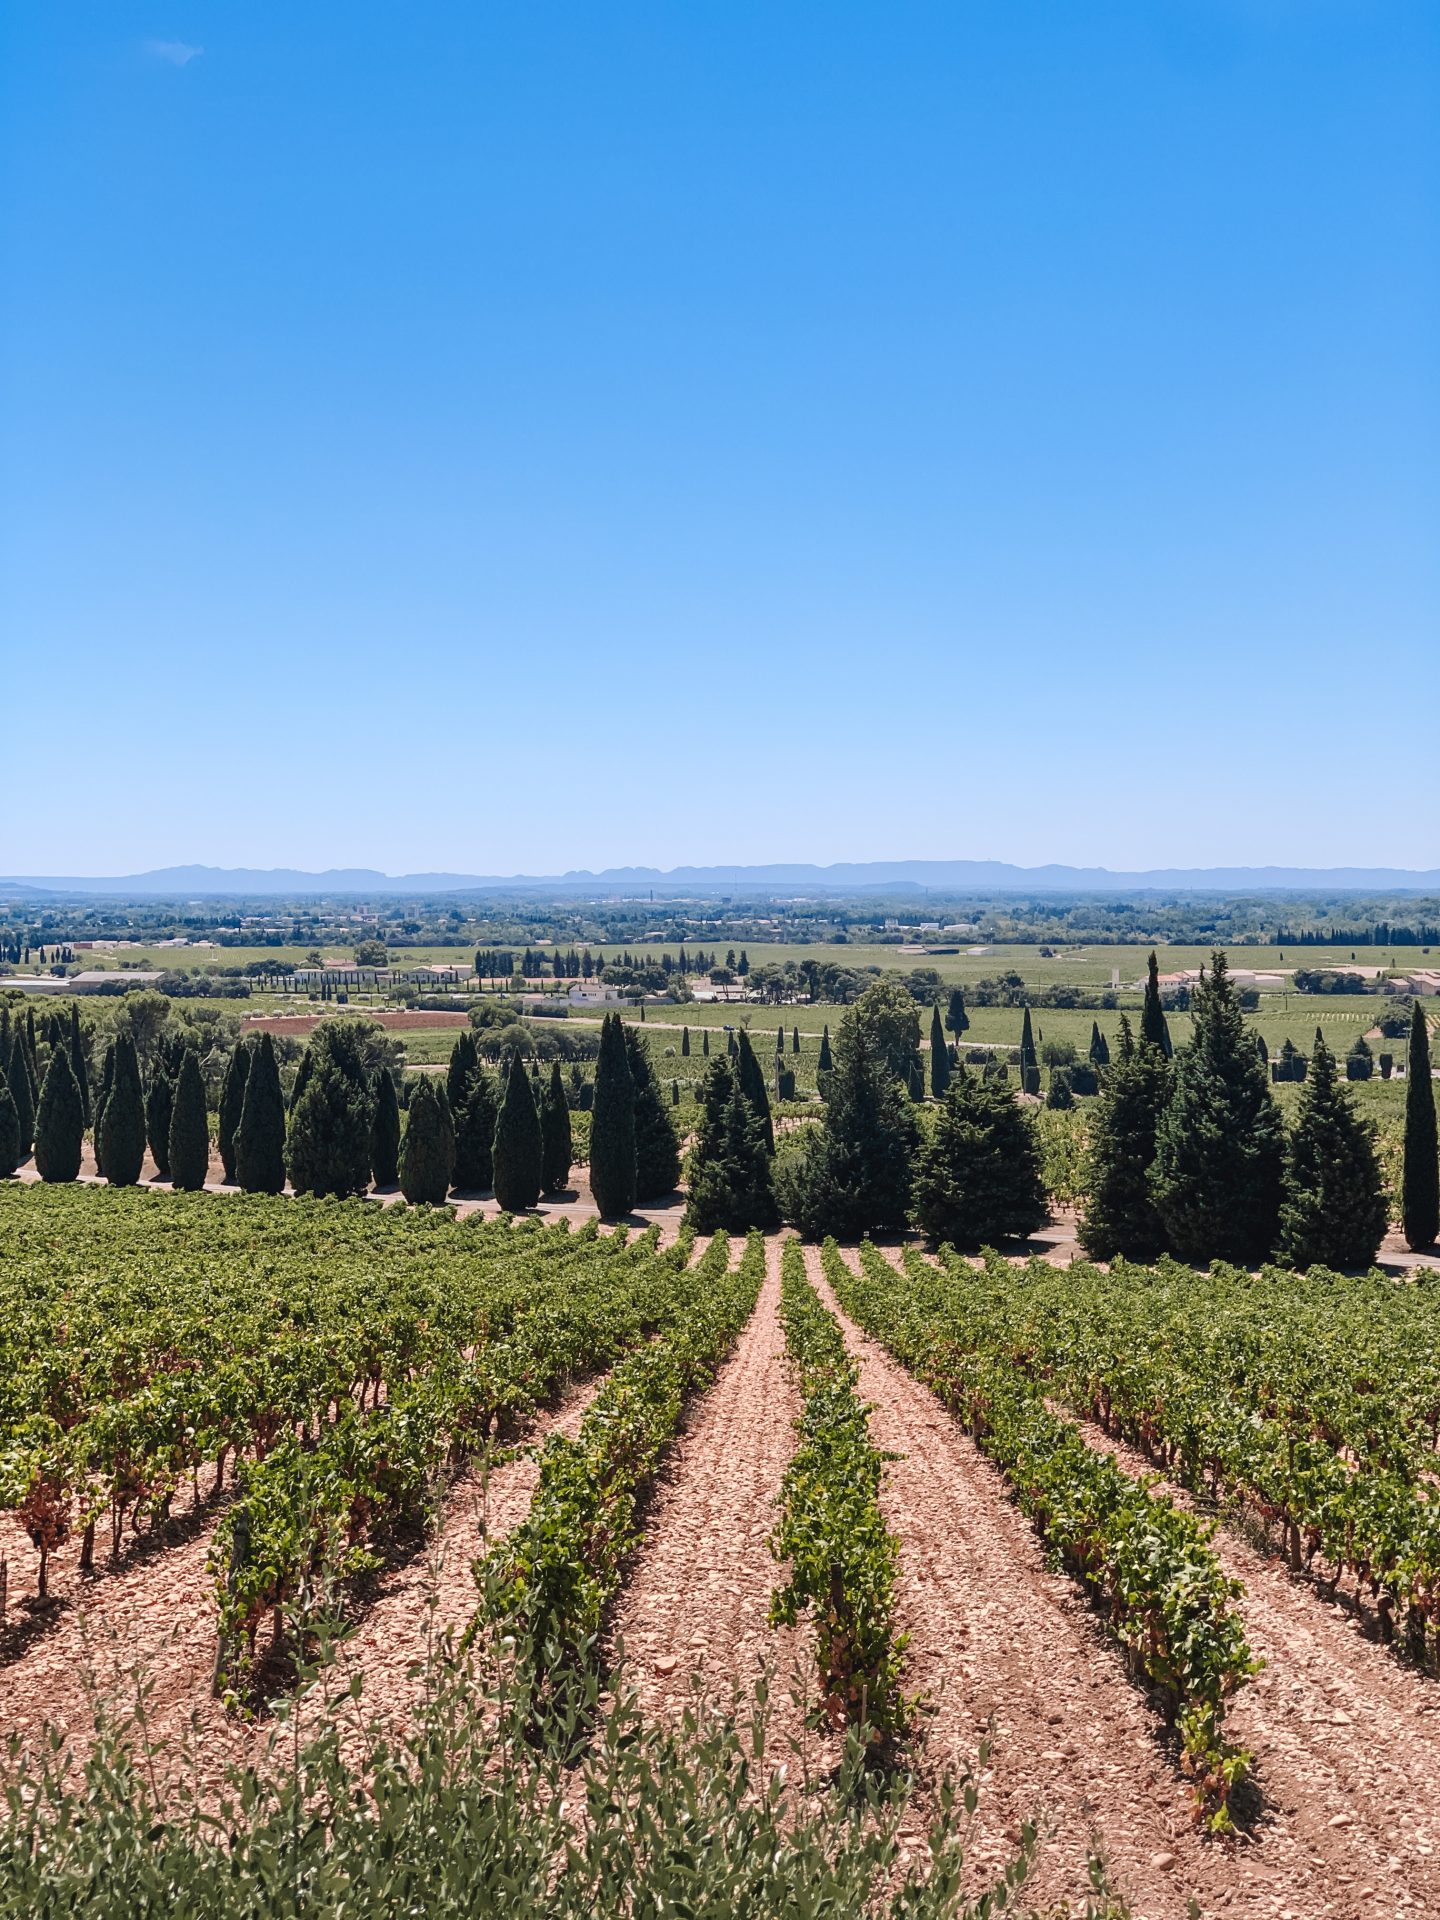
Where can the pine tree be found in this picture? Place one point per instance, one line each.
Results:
(612, 1125)
(1099, 1047)
(59, 1121)
(1334, 1212)
(1153, 1026)
(752, 1084)
(464, 1062)
(956, 1018)
(260, 1136)
(9, 1130)
(519, 1148)
(77, 1059)
(427, 1151)
(327, 1149)
(124, 1119)
(18, 1076)
(852, 1175)
(657, 1147)
(1120, 1212)
(684, 1043)
(1029, 1063)
(474, 1168)
(1220, 1145)
(1420, 1187)
(939, 1056)
(189, 1128)
(232, 1101)
(159, 1100)
(385, 1131)
(557, 1147)
(730, 1173)
(977, 1175)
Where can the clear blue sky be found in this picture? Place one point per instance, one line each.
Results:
(516, 437)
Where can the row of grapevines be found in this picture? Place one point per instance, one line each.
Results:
(1147, 1563)
(310, 1514)
(1310, 1398)
(553, 1577)
(843, 1559)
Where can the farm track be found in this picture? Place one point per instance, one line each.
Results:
(1338, 1729)
(698, 1597)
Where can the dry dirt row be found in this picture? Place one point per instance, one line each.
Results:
(1346, 1742)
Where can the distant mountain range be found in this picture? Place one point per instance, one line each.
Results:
(846, 878)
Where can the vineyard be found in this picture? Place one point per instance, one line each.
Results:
(1087, 1586)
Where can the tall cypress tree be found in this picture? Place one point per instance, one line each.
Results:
(1153, 1025)
(1334, 1213)
(97, 1126)
(705, 1042)
(1099, 1046)
(730, 1173)
(9, 1130)
(657, 1146)
(189, 1127)
(519, 1148)
(752, 1084)
(474, 1169)
(612, 1125)
(385, 1131)
(427, 1151)
(159, 1100)
(464, 1060)
(1029, 1060)
(795, 1039)
(1120, 1212)
(20, 1092)
(59, 1122)
(77, 1059)
(260, 1136)
(939, 1056)
(1220, 1145)
(327, 1149)
(232, 1101)
(302, 1078)
(124, 1118)
(956, 1018)
(557, 1149)
(684, 1043)
(826, 1062)
(1420, 1188)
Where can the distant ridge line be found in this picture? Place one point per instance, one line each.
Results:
(941, 876)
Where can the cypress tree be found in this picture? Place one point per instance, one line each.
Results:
(852, 1175)
(730, 1173)
(939, 1056)
(474, 1168)
(1153, 1025)
(59, 1122)
(1334, 1212)
(705, 1042)
(519, 1147)
(1099, 1046)
(9, 1130)
(731, 1044)
(779, 1042)
(123, 1123)
(385, 1131)
(260, 1136)
(1420, 1186)
(557, 1149)
(428, 1150)
(752, 1085)
(612, 1125)
(684, 1043)
(657, 1147)
(77, 1059)
(302, 1078)
(977, 1174)
(159, 1100)
(189, 1127)
(1120, 1212)
(464, 1060)
(107, 1080)
(1220, 1145)
(956, 1018)
(826, 1063)
(327, 1149)
(795, 1040)
(1029, 1062)
(20, 1093)
(232, 1101)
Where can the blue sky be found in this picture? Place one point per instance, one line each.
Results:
(549, 435)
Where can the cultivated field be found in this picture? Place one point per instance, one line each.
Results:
(983, 1493)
